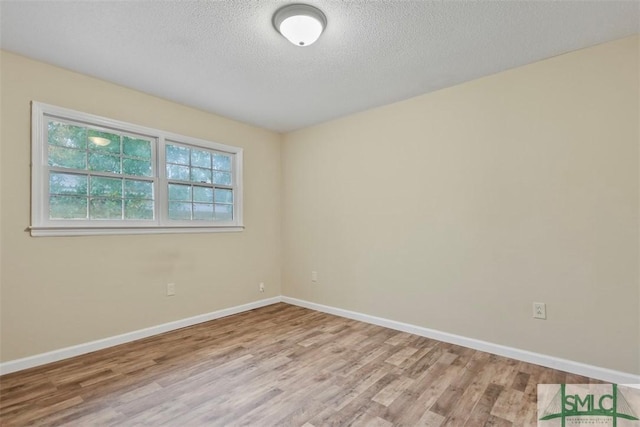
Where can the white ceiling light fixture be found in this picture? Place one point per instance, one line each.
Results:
(301, 24)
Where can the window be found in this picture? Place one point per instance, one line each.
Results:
(92, 175)
(200, 184)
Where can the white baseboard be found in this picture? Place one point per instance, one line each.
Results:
(591, 371)
(77, 350)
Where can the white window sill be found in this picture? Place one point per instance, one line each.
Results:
(98, 231)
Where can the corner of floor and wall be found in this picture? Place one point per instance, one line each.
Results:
(446, 215)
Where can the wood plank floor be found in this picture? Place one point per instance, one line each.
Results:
(280, 365)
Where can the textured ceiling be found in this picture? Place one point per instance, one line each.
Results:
(225, 57)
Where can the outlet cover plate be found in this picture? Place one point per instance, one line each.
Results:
(539, 310)
(171, 289)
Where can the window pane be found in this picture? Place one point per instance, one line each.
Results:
(180, 192)
(101, 175)
(221, 162)
(178, 210)
(105, 208)
(106, 187)
(67, 135)
(223, 178)
(138, 189)
(224, 212)
(66, 207)
(67, 158)
(103, 141)
(104, 162)
(64, 183)
(203, 194)
(201, 159)
(138, 209)
(177, 154)
(136, 167)
(201, 175)
(203, 211)
(178, 172)
(224, 196)
(140, 148)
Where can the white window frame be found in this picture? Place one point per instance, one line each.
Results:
(42, 225)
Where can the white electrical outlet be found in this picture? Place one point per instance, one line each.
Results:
(539, 310)
(171, 289)
(261, 287)
(314, 276)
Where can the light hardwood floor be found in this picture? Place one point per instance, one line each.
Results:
(280, 365)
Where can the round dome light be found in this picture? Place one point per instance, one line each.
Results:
(301, 24)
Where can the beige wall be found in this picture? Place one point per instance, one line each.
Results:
(457, 209)
(60, 291)
(454, 211)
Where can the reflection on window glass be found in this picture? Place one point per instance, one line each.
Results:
(103, 141)
(96, 195)
(98, 172)
(81, 148)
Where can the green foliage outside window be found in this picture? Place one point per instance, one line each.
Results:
(93, 195)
